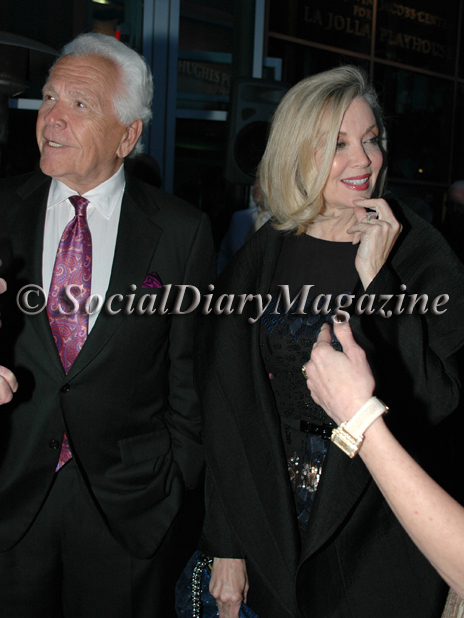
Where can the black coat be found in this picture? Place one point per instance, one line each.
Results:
(356, 560)
(128, 403)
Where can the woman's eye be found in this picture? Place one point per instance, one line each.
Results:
(374, 140)
(340, 145)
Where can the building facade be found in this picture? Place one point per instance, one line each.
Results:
(411, 49)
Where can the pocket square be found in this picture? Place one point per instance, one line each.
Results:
(152, 280)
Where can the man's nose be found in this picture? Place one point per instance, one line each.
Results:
(55, 115)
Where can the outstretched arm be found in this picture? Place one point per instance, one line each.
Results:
(341, 382)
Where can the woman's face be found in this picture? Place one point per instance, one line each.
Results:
(358, 158)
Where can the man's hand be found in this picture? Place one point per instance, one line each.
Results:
(340, 382)
(229, 585)
(8, 385)
(8, 382)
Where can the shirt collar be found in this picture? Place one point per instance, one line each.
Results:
(104, 197)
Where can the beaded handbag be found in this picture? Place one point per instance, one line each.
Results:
(193, 599)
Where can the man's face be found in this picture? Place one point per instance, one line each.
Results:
(81, 141)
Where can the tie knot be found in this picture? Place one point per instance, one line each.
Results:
(80, 204)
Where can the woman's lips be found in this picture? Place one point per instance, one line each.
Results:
(357, 183)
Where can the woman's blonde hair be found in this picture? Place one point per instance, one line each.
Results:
(307, 122)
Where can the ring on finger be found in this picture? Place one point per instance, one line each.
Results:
(372, 215)
(303, 371)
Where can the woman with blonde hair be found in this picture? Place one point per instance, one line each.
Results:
(294, 525)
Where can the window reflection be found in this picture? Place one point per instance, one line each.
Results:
(205, 54)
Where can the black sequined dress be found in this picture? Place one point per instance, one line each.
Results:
(286, 341)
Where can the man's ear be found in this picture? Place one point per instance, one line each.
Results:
(130, 138)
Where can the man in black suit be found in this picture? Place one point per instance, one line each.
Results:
(101, 443)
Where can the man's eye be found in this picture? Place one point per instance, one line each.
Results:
(80, 104)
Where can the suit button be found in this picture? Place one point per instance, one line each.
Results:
(66, 388)
(54, 444)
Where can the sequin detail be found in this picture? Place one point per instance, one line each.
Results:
(305, 469)
(286, 344)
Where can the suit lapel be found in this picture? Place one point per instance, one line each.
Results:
(137, 239)
(26, 223)
(267, 470)
(281, 519)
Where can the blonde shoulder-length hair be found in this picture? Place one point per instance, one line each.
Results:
(307, 121)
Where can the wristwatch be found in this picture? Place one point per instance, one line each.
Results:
(349, 436)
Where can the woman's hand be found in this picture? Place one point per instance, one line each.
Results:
(229, 585)
(376, 237)
(340, 382)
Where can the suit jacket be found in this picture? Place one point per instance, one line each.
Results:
(355, 559)
(128, 404)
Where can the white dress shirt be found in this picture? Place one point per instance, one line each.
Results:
(103, 219)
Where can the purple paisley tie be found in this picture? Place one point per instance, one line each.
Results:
(73, 267)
